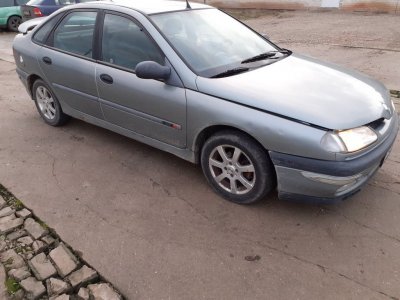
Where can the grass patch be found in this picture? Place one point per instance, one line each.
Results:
(17, 204)
(11, 199)
(43, 224)
(9, 261)
(3, 192)
(12, 286)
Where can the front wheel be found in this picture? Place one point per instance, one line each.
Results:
(13, 23)
(237, 167)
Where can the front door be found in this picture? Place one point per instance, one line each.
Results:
(151, 108)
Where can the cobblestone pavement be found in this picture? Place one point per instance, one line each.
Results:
(37, 264)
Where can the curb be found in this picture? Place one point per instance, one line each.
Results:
(35, 263)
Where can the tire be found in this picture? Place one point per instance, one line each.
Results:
(13, 23)
(245, 175)
(47, 104)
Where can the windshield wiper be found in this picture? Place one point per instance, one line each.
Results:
(269, 54)
(230, 72)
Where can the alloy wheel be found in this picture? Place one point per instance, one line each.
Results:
(46, 103)
(232, 169)
(14, 23)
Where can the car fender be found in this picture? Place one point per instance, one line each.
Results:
(272, 132)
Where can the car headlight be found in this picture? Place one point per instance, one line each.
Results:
(348, 140)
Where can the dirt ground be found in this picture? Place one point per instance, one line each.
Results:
(150, 224)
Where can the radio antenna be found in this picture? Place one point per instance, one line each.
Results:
(188, 5)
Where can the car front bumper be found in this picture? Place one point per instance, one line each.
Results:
(320, 181)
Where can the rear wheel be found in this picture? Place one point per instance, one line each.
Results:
(47, 104)
(13, 23)
(237, 167)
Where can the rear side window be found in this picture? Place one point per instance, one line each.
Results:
(65, 2)
(40, 2)
(21, 2)
(75, 33)
(125, 44)
(6, 3)
(43, 32)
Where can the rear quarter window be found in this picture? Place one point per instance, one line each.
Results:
(44, 31)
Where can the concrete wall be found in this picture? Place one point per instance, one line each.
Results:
(389, 6)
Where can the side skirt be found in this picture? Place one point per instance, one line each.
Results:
(185, 154)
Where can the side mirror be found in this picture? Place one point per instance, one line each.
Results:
(152, 70)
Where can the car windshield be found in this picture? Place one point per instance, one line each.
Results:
(210, 41)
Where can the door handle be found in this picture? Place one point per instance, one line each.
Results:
(47, 60)
(106, 78)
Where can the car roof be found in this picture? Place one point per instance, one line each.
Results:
(154, 6)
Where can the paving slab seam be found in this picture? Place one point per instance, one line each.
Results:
(38, 265)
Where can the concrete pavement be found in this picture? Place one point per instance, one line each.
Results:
(148, 222)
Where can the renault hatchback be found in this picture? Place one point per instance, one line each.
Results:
(193, 81)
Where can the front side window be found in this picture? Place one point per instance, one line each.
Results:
(125, 44)
(209, 40)
(75, 33)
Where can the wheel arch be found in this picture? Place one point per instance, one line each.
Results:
(31, 80)
(13, 15)
(207, 132)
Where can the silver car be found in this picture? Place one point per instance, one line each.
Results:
(193, 81)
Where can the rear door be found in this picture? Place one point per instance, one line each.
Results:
(152, 108)
(68, 65)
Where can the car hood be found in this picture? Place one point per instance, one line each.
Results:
(307, 90)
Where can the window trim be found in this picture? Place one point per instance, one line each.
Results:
(100, 40)
(97, 36)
